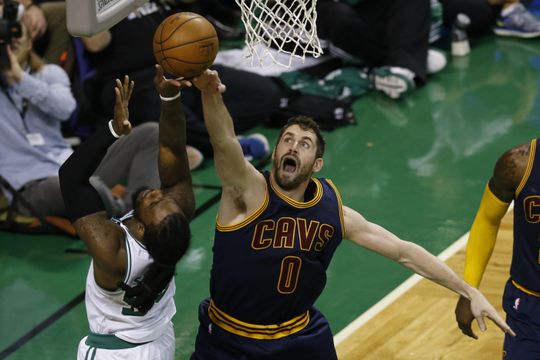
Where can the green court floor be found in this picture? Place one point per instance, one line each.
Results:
(416, 166)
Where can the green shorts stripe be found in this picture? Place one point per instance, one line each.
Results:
(109, 342)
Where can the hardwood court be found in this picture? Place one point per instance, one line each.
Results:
(420, 324)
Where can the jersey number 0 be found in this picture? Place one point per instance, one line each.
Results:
(288, 274)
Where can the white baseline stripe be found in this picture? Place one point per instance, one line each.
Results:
(395, 294)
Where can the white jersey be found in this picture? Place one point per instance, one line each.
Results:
(107, 312)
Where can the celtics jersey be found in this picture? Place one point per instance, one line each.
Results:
(271, 267)
(109, 314)
(525, 269)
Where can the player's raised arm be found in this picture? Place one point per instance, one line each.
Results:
(231, 166)
(414, 257)
(173, 161)
(83, 204)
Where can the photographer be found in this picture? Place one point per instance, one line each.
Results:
(46, 24)
(34, 99)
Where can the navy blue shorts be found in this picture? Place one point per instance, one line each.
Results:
(523, 316)
(314, 342)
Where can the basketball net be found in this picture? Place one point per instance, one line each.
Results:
(279, 30)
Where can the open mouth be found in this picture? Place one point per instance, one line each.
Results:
(289, 164)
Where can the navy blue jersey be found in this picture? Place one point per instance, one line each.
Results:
(525, 269)
(271, 267)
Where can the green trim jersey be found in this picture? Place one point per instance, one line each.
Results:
(108, 314)
(271, 267)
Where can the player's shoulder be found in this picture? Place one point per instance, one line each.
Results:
(328, 183)
(521, 150)
(511, 166)
(97, 227)
(516, 157)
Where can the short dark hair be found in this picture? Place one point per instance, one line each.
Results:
(306, 123)
(169, 240)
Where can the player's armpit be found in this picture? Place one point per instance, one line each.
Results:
(241, 201)
(104, 241)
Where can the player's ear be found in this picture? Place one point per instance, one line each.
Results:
(317, 166)
(140, 229)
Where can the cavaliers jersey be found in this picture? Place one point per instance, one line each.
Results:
(271, 267)
(525, 268)
(107, 312)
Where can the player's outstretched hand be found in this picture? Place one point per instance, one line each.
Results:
(168, 88)
(481, 307)
(209, 81)
(122, 91)
(465, 317)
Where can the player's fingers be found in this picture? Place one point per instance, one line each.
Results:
(186, 83)
(222, 88)
(481, 322)
(501, 323)
(125, 87)
(159, 70)
(130, 90)
(118, 85)
(467, 330)
(175, 82)
(118, 96)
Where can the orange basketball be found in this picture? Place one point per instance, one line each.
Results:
(185, 44)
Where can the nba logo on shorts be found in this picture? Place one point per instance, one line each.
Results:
(516, 304)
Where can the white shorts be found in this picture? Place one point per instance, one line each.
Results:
(159, 349)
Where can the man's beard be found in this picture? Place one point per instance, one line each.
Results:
(291, 183)
(136, 202)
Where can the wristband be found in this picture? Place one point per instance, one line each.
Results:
(163, 98)
(112, 130)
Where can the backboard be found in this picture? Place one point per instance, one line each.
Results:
(89, 17)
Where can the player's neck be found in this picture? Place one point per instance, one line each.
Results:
(133, 226)
(298, 193)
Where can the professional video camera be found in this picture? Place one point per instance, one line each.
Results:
(10, 28)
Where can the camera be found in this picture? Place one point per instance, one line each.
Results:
(10, 28)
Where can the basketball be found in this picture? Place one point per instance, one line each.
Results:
(185, 44)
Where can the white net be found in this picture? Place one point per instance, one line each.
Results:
(279, 30)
